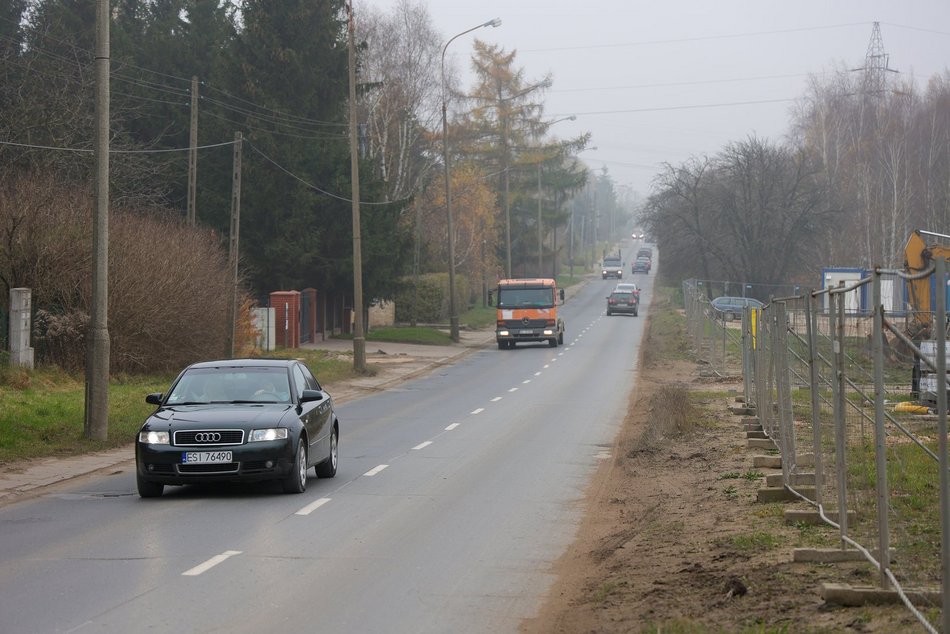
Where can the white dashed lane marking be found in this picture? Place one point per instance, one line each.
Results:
(452, 426)
(375, 470)
(211, 563)
(496, 399)
(422, 445)
(313, 506)
(478, 411)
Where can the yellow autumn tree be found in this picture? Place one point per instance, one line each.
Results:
(474, 221)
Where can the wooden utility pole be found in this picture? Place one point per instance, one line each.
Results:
(193, 153)
(359, 341)
(233, 247)
(96, 422)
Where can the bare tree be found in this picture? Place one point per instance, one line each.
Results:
(401, 87)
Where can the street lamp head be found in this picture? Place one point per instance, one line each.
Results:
(495, 22)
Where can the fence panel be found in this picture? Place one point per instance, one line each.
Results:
(834, 391)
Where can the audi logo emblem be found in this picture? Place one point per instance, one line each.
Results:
(208, 436)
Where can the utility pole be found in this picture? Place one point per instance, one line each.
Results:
(96, 423)
(359, 340)
(507, 201)
(234, 243)
(192, 153)
(540, 244)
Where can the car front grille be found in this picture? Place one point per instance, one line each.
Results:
(208, 437)
(222, 467)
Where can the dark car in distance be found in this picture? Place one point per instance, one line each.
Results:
(623, 301)
(641, 265)
(238, 420)
(729, 308)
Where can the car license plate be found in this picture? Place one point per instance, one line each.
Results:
(205, 457)
(527, 332)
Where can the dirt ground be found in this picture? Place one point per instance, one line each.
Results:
(674, 539)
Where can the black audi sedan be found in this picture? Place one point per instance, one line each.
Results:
(239, 420)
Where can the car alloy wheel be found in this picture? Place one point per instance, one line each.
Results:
(296, 481)
(327, 468)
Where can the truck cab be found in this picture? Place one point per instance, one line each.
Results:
(526, 310)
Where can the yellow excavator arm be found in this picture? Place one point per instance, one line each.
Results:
(918, 255)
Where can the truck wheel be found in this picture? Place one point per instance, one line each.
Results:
(552, 342)
(502, 345)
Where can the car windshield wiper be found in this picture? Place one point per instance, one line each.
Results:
(187, 403)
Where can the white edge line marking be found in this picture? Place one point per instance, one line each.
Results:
(375, 470)
(478, 411)
(422, 445)
(211, 563)
(496, 399)
(512, 389)
(313, 506)
(452, 426)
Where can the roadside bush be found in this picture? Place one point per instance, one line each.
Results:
(169, 284)
(432, 300)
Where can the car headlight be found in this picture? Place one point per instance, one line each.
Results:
(153, 437)
(260, 435)
(503, 333)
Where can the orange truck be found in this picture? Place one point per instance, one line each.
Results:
(526, 310)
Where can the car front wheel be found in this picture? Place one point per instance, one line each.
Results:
(296, 480)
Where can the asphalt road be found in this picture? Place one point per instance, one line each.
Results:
(455, 494)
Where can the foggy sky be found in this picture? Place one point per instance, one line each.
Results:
(662, 81)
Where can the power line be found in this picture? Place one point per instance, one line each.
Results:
(112, 151)
(314, 187)
(682, 83)
(689, 107)
(691, 39)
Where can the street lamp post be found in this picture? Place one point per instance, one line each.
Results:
(453, 308)
(540, 232)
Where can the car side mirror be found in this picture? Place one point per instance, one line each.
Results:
(311, 395)
(154, 398)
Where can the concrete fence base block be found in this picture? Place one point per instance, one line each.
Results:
(829, 555)
(812, 518)
(781, 494)
(751, 420)
(805, 460)
(855, 596)
(755, 434)
(767, 462)
(742, 411)
(795, 479)
(760, 443)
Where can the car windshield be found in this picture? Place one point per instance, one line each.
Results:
(525, 297)
(621, 295)
(200, 386)
(612, 262)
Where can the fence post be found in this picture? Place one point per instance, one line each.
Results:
(880, 445)
(941, 301)
(746, 354)
(782, 390)
(811, 318)
(836, 315)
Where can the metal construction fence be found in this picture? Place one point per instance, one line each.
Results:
(839, 395)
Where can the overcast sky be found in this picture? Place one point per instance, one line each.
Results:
(664, 80)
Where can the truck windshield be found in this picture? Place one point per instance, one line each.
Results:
(525, 297)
